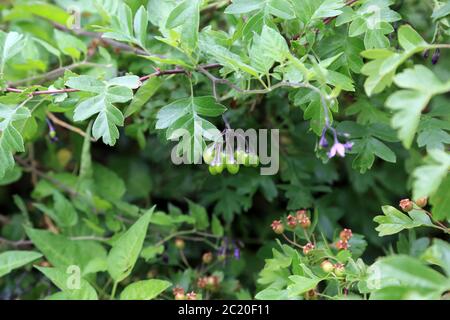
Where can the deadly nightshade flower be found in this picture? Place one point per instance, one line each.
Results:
(237, 253)
(323, 143)
(51, 131)
(339, 149)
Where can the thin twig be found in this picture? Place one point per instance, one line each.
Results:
(64, 124)
(291, 242)
(53, 74)
(158, 73)
(98, 35)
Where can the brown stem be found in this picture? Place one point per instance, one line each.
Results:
(158, 73)
(98, 35)
(53, 74)
(291, 242)
(64, 124)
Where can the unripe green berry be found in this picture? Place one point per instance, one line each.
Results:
(219, 167)
(212, 170)
(241, 157)
(208, 155)
(253, 160)
(233, 168)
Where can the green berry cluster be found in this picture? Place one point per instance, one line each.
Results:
(218, 160)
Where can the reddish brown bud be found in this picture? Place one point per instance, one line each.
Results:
(202, 282)
(301, 214)
(308, 248)
(346, 234)
(305, 223)
(178, 293)
(342, 245)
(277, 227)
(339, 269)
(291, 221)
(406, 205)
(191, 296)
(311, 295)
(422, 202)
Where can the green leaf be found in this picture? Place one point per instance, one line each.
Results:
(395, 221)
(186, 15)
(140, 26)
(11, 43)
(62, 252)
(309, 10)
(200, 215)
(301, 285)
(126, 250)
(109, 117)
(227, 58)
(216, 226)
(44, 10)
(11, 260)
(422, 84)
(11, 140)
(409, 39)
(64, 210)
(427, 178)
(272, 293)
(381, 70)
(144, 93)
(151, 252)
(70, 45)
(441, 12)
(244, 6)
(73, 287)
(182, 121)
(267, 48)
(438, 254)
(441, 201)
(406, 272)
(144, 290)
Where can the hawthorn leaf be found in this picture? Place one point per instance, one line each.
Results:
(301, 285)
(421, 85)
(11, 43)
(11, 140)
(428, 178)
(394, 221)
(408, 272)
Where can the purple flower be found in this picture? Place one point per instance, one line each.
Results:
(237, 253)
(348, 145)
(323, 140)
(337, 148)
(340, 149)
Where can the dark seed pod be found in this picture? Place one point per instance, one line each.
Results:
(426, 54)
(436, 56)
